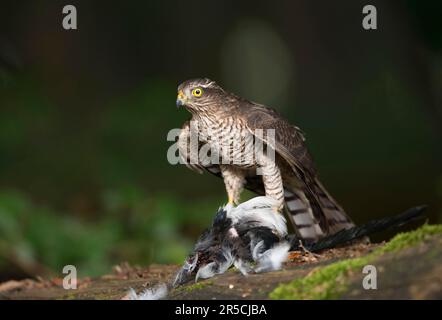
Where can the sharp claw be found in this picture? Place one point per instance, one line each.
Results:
(277, 209)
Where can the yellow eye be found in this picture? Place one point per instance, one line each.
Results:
(197, 92)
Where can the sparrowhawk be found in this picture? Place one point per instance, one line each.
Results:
(229, 125)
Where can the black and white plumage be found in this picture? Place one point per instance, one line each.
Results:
(254, 239)
(250, 236)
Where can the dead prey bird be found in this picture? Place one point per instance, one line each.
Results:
(254, 239)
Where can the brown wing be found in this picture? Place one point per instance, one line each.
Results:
(289, 144)
(289, 140)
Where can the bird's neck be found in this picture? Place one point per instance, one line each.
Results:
(212, 117)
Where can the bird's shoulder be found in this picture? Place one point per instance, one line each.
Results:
(289, 139)
(258, 116)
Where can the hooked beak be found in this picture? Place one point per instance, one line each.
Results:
(181, 99)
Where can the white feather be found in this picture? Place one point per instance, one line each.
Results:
(191, 266)
(155, 293)
(212, 269)
(242, 266)
(260, 210)
(273, 258)
(228, 207)
(233, 233)
(208, 271)
(256, 248)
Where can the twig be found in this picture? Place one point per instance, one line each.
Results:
(314, 255)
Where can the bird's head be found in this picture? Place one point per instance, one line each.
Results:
(198, 95)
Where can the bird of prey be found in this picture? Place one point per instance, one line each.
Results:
(229, 124)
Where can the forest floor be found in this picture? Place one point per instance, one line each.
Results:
(407, 267)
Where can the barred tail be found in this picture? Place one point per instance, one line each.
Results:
(313, 213)
(335, 216)
(301, 215)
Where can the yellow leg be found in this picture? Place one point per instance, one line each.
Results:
(278, 209)
(234, 180)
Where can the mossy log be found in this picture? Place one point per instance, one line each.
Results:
(408, 267)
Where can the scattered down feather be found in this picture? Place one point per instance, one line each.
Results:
(155, 293)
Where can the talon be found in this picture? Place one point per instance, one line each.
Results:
(277, 209)
(231, 200)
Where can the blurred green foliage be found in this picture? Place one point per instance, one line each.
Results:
(135, 228)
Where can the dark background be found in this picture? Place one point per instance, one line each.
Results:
(84, 115)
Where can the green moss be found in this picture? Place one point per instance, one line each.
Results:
(326, 283)
(407, 239)
(331, 281)
(196, 286)
(69, 296)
